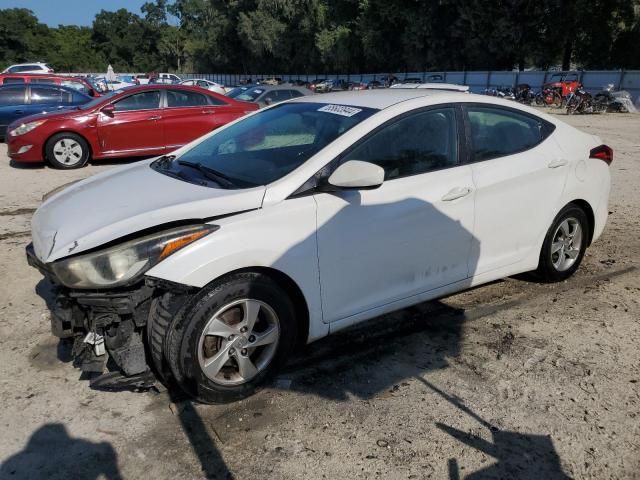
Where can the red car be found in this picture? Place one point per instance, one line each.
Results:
(77, 83)
(144, 120)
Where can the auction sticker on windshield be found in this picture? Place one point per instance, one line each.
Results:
(340, 110)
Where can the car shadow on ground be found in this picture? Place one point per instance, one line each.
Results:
(52, 453)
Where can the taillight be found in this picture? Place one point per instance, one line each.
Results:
(603, 152)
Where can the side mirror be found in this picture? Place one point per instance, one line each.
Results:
(268, 101)
(357, 175)
(108, 110)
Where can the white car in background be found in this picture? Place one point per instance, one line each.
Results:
(208, 84)
(305, 218)
(116, 84)
(169, 78)
(36, 67)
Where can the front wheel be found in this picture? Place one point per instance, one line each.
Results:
(232, 338)
(67, 151)
(564, 245)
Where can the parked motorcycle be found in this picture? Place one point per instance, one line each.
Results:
(581, 101)
(549, 96)
(501, 92)
(615, 101)
(524, 94)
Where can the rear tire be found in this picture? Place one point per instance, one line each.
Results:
(67, 151)
(250, 330)
(564, 245)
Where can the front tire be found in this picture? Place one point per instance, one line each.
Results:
(231, 338)
(564, 245)
(67, 151)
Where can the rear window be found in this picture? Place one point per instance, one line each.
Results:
(497, 132)
(25, 68)
(79, 86)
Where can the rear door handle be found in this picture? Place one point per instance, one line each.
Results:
(559, 162)
(456, 193)
(208, 112)
(154, 117)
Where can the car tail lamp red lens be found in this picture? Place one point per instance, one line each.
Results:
(603, 152)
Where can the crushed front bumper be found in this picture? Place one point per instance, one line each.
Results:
(104, 325)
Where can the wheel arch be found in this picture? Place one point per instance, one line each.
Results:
(84, 137)
(293, 290)
(588, 210)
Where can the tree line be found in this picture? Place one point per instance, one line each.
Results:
(334, 36)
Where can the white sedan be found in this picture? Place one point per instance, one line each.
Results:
(208, 84)
(307, 217)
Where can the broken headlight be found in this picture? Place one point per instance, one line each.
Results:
(125, 263)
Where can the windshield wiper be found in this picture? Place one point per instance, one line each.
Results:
(210, 173)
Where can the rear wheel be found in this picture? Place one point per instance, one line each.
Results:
(564, 245)
(67, 151)
(231, 339)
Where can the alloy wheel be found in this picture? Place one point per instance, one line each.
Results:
(238, 342)
(566, 245)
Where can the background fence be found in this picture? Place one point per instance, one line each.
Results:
(593, 80)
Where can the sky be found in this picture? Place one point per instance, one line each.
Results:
(71, 12)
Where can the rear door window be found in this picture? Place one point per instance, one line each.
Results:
(12, 96)
(497, 132)
(40, 95)
(185, 98)
(139, 101)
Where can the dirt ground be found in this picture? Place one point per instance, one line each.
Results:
(511, 380)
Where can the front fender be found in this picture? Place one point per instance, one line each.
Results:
(281, 237)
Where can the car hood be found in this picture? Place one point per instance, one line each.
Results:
(58, 114)
(124, 201)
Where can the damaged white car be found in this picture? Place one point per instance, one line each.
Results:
(209, 266)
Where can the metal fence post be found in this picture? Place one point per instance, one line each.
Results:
(621, 79)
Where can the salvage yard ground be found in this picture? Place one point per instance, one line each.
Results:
(510, 380)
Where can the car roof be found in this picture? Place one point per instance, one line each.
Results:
(41, 75)
(26, 64)
(42, 85)
(379, 99)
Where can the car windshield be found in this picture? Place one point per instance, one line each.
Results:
(266, 146)
(97, 100)
(96, 86)
(250, 94)
(233, 93)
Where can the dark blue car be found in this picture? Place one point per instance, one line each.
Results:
(20, 100)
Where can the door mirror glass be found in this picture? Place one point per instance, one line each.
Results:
(356, 174)
(108, 110)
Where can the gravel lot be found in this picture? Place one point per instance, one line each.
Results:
(510, 380)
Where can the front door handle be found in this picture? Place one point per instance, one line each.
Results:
(208, 112)
(154, 117)
(18, 112)
(456, 193)
(559, 162)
